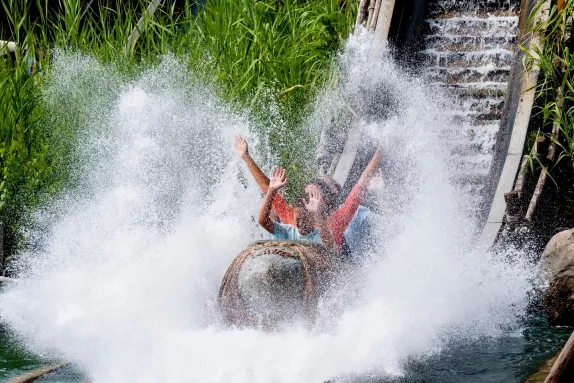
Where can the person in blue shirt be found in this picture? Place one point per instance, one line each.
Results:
(358, 235)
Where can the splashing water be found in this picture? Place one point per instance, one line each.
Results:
(124, 284)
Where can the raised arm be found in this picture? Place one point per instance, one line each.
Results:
(278, 180)
(316, 206)
(341, 218)
(242, 151)
(372, 168)
(280, 206)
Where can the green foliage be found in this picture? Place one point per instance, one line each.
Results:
(555, 91)
(263, 55)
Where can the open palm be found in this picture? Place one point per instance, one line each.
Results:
(241, 147)
(315, 203)
(278, 179)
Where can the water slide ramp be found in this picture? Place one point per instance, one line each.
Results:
(470, 49)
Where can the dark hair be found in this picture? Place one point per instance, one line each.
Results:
(330, 198)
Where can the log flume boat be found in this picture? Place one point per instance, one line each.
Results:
(276, 282)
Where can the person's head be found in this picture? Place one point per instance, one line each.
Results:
(304, 220)
(330, 192)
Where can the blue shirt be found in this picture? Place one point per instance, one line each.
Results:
(356, 235)
(282, 231)
(359, 230)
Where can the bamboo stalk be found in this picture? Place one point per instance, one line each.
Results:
(550, 158)
(370, 13)
(513, 198)
(373, 24)
(521, 176)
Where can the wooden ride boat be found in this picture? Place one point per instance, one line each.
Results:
(274, 282)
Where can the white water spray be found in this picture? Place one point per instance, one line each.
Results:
(125, 283)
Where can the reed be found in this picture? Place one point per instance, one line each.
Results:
(255, 53)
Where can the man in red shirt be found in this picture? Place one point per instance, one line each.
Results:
(338, 221)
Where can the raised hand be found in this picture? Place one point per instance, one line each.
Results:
(316, 204)
(278, 179)
(241, 147)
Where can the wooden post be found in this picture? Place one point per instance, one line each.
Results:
(362, 13)
(562, 370)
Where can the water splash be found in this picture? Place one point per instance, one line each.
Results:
(124, 285)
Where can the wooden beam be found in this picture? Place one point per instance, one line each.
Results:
(384, 18)
(35, 374)
(540, 375)
(562, 369)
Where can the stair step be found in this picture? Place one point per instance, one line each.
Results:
(475, 148)
(468, 75)
(471, 26)
(464, 118)
(474, 86)
(494, 6)
(440, 43)
(497, 58)
(478, 93)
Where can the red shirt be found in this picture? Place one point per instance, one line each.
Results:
(337, 222)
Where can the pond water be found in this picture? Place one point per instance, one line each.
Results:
(508, 359)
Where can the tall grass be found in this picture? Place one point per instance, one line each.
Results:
(256, 53)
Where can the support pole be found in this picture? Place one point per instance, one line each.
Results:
(148, 14)
(384, 18)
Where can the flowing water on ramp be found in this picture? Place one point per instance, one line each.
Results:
(123, 279)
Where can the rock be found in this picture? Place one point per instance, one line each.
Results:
(557, 269)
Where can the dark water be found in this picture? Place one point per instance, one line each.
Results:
(508, 359)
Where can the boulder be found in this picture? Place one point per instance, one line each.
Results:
(557, 269)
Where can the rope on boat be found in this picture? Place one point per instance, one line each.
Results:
(35, 374)
(314, 260)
